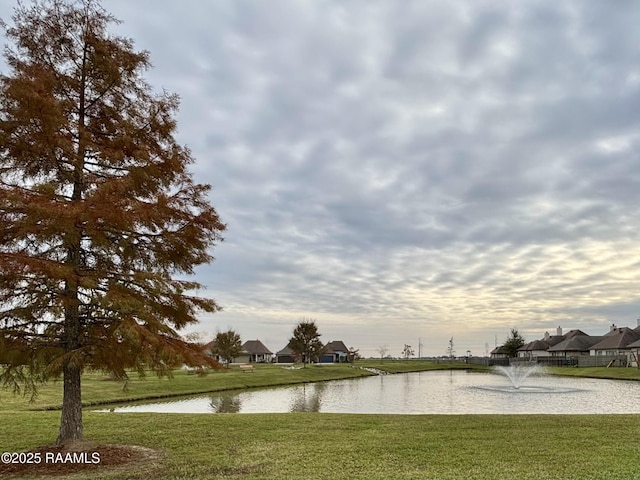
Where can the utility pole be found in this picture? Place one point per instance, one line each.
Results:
(419, 347)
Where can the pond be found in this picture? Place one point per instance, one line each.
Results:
(441, 392)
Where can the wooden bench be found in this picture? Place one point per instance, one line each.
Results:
(246, 368)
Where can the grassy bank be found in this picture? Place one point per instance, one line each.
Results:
(307, 446)
(407, 366)
(98, 389)
(613, 373)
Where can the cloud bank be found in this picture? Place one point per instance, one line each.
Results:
(409, 171)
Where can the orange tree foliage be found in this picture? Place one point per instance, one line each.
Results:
(98, 212)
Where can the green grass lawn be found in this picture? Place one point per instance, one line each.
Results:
(308, 446)
(406, 366)
(614, 373)
(315, 445)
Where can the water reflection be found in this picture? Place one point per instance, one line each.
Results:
(418, 393)
(226, 404)
(308, 398)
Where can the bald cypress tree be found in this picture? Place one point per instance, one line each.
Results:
(98, 212)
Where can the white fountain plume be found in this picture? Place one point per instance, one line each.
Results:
(518, 373)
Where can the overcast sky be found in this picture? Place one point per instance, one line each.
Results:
(404, 170)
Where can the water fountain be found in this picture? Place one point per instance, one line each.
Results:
(517, 374)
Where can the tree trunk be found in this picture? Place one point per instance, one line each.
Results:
(71, 419)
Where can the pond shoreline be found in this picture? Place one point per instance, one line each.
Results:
(431, 392)
(100, 391)
(344, 371)
(370, 371)
(358, 372)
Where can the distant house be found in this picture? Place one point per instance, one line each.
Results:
(621, 346)
(499, 352)
(335, 352)
(615, 342)
(257, 351)
(285, 355)
(574, 345)
(532, 350)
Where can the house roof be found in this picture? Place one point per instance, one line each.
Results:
(535, 345)
(285, 351)
(616, 330)
(554, 339)
(575, 333)
(499, 350)
(576, 343)
(618, 338)
(336, 346)
(635, 344)
(256, 347)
